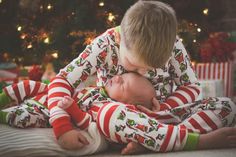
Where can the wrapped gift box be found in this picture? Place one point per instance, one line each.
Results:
(212, 74)
(211, 88)
(8, 74)
(6, 81)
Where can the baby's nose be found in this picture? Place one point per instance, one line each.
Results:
(117, 78)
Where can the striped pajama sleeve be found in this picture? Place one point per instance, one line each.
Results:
(181, 70)
(122, 124)
(81, 118)
(182, 95)
(70, 77)
(59, 118)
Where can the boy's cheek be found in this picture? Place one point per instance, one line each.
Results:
(122, 61)
(142, 71)
(127, 66)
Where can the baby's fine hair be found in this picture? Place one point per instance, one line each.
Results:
(149, 30)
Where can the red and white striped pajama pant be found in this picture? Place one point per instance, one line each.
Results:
(31, 100)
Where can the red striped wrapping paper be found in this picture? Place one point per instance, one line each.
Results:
(216, 71)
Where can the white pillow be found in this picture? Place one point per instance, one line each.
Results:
(40, 142)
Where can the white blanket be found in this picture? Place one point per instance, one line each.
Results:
(40, 142)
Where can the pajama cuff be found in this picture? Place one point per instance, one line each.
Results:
(64, 126)
(192, 141)
(5, 99)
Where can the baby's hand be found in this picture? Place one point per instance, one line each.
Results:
(65, 103)
(72, 140)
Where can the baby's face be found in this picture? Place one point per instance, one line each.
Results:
(126, 87)
(130, 62)
(117, 87)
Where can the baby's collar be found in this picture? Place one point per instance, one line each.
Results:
(103, 92)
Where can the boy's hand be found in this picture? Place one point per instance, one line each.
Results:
(155, 105)
(155, 108)
(66, 102)
(220, 138)
(72, 140)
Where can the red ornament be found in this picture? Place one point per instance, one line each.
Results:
(217, 48)
(35, 73)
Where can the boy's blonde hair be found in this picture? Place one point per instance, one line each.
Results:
(149, 29)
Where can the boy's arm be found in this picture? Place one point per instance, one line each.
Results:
(82, 119)
(70, 77)
(69, 138)
(59, 118)
(180, 68)
(220, 138)
(138, 129)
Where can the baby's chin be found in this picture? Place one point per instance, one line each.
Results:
(106, 87)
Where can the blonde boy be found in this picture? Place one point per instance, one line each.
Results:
(145, 43)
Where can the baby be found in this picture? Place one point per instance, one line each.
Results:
(31, 99)
(129, 88)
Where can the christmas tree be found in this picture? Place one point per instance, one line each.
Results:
(32, 30)
(58, 27)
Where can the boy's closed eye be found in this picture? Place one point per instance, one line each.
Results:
(123, 83)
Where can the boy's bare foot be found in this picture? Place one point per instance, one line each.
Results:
(133, 148)
(220, 138)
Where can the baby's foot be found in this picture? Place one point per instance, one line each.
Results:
(66, 102)
(133, 148)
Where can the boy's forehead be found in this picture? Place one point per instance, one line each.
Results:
(132, 57)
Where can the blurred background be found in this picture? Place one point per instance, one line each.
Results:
(34, 33)
(33, 29)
